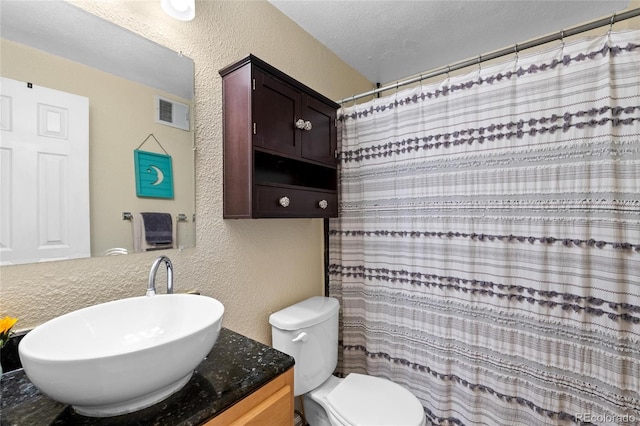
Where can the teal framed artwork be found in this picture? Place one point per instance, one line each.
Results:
(154, 174)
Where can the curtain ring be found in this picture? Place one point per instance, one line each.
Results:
(613, 17)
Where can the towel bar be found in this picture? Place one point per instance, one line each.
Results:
(181, 217)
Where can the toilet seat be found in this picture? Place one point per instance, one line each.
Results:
(361, 400)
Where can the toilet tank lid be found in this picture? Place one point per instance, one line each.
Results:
(303, 314)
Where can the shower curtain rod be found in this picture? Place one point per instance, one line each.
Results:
(499, 53)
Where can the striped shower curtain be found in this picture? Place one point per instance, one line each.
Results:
(487, 253)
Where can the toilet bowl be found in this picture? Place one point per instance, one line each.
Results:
(308, 331)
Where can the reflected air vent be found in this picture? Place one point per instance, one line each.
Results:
(172, 113)
(165, 111)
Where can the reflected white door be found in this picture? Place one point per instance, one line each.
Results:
(44, 174)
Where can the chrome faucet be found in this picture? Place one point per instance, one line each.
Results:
(151, 287)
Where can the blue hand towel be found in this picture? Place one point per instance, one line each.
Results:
(158, 228)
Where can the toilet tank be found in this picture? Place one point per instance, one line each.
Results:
(308, 331)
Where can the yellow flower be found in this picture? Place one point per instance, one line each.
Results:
(6, 324)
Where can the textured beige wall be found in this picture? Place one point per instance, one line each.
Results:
(254, 267)
(121, 117)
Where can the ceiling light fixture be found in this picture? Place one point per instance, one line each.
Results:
(184, 10)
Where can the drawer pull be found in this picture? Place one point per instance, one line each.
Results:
(323, 204)
(307, 125)
(284, 201)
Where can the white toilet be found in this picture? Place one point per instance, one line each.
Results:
(308, 331)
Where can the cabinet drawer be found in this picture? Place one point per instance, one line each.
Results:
(283, 201)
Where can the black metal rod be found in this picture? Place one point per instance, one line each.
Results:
(499, 53)
(326, 256)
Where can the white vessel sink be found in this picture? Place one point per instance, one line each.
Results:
(121, 356)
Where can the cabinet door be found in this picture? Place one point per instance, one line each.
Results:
(276, 410)
(271, 405)
(319, 143)
(276, 107)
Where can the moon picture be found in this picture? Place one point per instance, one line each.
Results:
(160, 175)
(154, 174)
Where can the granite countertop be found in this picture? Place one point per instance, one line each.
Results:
(235, 367)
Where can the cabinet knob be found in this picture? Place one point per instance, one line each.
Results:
(300, 124)
(307, 125)
(323, 204)
(284, 201)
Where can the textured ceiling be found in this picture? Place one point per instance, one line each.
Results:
(388, 40)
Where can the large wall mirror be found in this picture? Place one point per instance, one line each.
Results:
(125, 94)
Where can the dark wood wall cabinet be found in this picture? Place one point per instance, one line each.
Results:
(280, 142)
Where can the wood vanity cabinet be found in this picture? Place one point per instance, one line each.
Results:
(271, 405)
(280, 141)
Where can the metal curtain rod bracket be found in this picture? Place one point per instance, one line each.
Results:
(504, 52)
